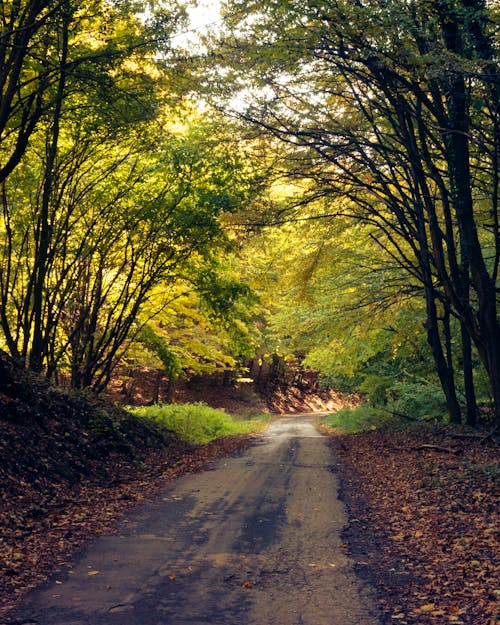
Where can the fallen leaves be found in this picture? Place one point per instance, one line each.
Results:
(62, 481)
(432, 520)
(428, 607)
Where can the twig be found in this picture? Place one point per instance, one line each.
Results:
(489, 435)
(447, 450)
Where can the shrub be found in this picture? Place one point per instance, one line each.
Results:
(419, 400)
(360, 419)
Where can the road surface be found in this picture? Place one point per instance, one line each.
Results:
(255, 541)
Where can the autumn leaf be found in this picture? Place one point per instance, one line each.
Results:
(434, 532)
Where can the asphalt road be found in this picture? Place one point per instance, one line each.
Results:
(255, 541)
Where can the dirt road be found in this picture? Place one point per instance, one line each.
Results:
(255, 541)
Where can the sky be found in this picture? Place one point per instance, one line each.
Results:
(202, 16)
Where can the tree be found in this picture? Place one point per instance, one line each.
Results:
(394, 106)
(48, 47)
(124, 221)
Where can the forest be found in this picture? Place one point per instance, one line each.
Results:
(328, 167)
(295, 197)
(349, 191)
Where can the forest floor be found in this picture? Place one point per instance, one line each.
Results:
(423, 520)
(424, 525)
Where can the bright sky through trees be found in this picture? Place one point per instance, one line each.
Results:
(202, 16)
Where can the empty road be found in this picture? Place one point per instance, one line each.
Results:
(254, 541)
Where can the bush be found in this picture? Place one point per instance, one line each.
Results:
(198, 423)
(360, 419)
(418, 400)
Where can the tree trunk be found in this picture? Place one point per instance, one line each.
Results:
(170, 392)
(468, 373)
(156, 388)
(38, 344)
(443, 368)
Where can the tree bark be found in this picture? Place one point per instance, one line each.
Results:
(38, 345)
(443, 368)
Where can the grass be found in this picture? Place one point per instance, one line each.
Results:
(198, 423)
(360, 419)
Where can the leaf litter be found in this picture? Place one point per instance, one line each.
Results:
(424, 523)
(70, 466)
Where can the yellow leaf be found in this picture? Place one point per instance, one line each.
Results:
(93, 573)
(172, 576)
(418, 534)
(428, 607)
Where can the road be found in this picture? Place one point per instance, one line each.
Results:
(254, 541)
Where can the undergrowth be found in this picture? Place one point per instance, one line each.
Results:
(361, 419)
(198, 423)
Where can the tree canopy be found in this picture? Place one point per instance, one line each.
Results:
(321, 181)
(393, 107)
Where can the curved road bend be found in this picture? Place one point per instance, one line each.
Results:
(255, 541)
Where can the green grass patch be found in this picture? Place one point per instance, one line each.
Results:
(360, 419)
(198, 423)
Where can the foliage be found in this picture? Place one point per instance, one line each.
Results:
(417, 399)
(160, 347)
(198, 423)
(117, 195)
(334, 297)
(126, 223)
(87, 50)
(361, 105)
(360, 419)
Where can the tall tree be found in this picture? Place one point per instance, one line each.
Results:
(394, 106)
(36, 62)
